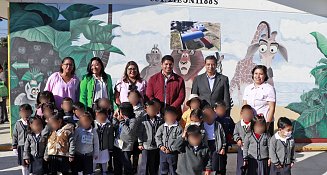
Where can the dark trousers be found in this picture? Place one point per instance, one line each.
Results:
(240, 161)
(122, 159)
(285, 170)
(3, 110)
(84, 163)
(168, 163)
(149, 162)
(218, 161)
(136, 153)
(271, 128)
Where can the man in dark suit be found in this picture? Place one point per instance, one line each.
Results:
(212, 86)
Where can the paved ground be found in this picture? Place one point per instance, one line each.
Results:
(308, 163)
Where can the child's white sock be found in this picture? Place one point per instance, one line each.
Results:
(80, 173)
(24, 170)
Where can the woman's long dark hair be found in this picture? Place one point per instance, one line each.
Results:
(102, 72)
(138, 76)
(62, 62)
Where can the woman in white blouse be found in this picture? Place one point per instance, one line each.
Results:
(261, 96)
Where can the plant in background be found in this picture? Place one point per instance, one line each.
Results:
(42, 23)
(312, 122)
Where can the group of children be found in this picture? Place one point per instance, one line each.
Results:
(75, 140)
(260, 153)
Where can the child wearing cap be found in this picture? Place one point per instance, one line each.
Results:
(193, 102)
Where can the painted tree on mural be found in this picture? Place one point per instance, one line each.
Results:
(42, 35)
(312, 122)
(41, 23)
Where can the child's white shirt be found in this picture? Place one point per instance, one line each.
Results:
(169, 126)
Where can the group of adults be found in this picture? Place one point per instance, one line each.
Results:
(166, 86)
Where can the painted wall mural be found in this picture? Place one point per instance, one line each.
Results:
(265, 43)
(279, 40)
(312, 121)
(43, 34)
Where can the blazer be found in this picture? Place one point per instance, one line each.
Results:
(220, 91)
(175, 89)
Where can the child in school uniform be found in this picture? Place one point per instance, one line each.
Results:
(126, 135)
(19, 135)
(194, 155)
(196, 118)
(135, 98)
(228, 126)
(159, 106)
(67, 108)
(226, 122)
(105, 133)
(282, 148)
(166, 137)
(35, 146)
(48, 109)
(256, 148)
(104, 103)
(216, 140)
(78, 110)
(194, 102)
(60, 148)
(149, 124)
(87, 145)
(241, 129)
(43, 97)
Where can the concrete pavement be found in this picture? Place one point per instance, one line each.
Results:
(313, 163)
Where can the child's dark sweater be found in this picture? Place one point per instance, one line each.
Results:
(228, 126)
(191, 160)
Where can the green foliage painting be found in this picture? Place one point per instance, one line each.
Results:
(312, 122)
(41, 35)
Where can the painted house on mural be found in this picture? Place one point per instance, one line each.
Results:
(42, 34)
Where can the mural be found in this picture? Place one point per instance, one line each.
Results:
(188, 63)
(274, 44)
(312, 121)
(264, 42)
(154, 60)
(43, 34)
(195, 35)
(46, 33)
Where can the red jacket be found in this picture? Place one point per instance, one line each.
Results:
(175, 90)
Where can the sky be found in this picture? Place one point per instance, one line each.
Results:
(3, 28)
